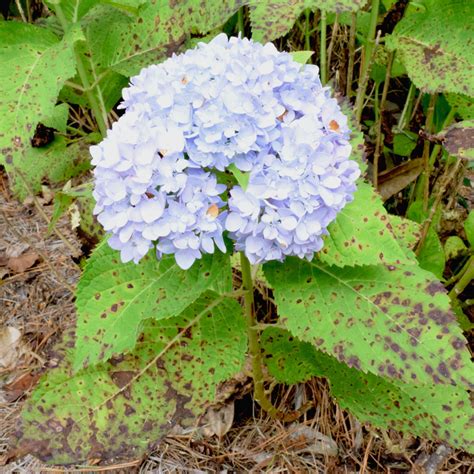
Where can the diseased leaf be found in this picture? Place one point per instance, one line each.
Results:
(463, 105)
(121, 409)
(35, 65)
(361, 233)
(126, 44)
(274, 18)
(407, 233)
(58, 119)
(441, 413)
(114, 298)
(394, 321)
(454, 247)
(459, 139)
(436, 45)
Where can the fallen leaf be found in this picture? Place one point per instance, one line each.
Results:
(16, 389)
(316, 442)
(217, 422)
(392, 181)
(9, 346)
(23, 262)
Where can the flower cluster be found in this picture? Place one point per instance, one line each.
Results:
(160, 172)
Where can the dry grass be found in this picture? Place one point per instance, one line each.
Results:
(38, 302)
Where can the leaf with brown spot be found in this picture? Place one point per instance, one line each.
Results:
(35, 65)
(459, 140)
(362, 234)
(272, 19)
(120, 410)
(394, 321)
(437, 412)
(436, 45)
(114, 298)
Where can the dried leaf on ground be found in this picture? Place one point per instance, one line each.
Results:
(23, 262)
(10, 338)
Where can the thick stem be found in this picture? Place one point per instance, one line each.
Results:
(322, 48)
(240, 21)
(364, 80)
(466, 278)
(254, 345)
(100, 114)
(350, 66)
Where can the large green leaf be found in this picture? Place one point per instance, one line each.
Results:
(362, 233)
(35, 65)
(441, 413)
(394, 321)
(113, 299)
(436, 45)
(274, 18)
(121, 409)
(127, 43)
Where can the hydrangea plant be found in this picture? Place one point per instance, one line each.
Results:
(235, 147)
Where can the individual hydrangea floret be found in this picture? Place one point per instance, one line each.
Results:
(163, 176)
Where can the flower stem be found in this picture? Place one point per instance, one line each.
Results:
(350, 67)
(253, 329)
(407, 108)
(254, 345)
(307, 42)
(241, 22)
(424, 192)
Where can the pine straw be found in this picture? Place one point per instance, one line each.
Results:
(39, 304)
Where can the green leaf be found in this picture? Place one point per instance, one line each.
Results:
(121, 409)
(431, 255)
(436, 45)
(414, 409)
(114, 298)
(459, 139)
(406, 232)
(463, 105)
(404, 143)
(35, 65)
(126, 44)
(361, 233)
(393, 321)
(454, 247)
(469, 228)
(73, 10)
(274, 18)
(302, 56)
(241, 177)
(58, 119)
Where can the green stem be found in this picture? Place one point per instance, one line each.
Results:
(406, 112)
(322, 48)
(436, 149)
(307, 33)
(240, 21)
(467, 276)
(350, 66)
(100, 114)
(370, 40)
(254, 344)
(425, 177)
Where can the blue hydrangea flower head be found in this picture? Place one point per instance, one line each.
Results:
(159, 172)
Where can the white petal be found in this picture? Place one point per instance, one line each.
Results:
(233, 222)
(185, 258)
